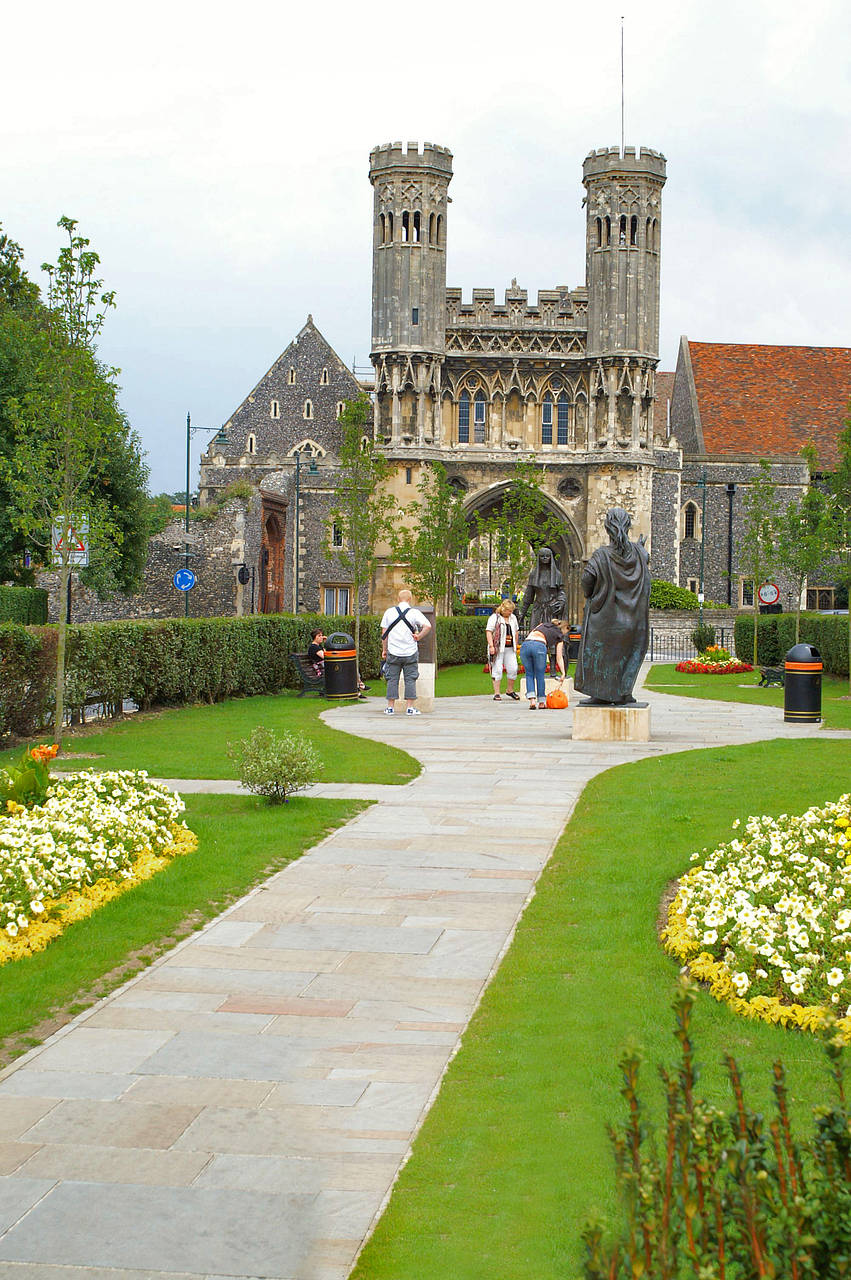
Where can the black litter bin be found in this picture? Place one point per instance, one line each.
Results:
(341, 666)
(574, 636)
(802, 685)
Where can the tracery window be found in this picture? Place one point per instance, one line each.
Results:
(563, 419)
(479, 414)
(547, 420)
(464, 418)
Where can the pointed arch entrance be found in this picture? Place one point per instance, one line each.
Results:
(272, 556)
(566, 547)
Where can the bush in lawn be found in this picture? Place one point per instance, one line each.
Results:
(827, 632)
(703, 636)
(27, 605)
(275, 765)
(727, 1194)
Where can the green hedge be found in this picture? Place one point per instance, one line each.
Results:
(827, 632)
(183, 660)
(667, 595)
(27, 605)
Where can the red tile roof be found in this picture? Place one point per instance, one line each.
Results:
(771, 400)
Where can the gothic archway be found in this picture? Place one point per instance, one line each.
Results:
(272, 557)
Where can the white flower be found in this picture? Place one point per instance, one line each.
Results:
(835, 977)
(710, 936)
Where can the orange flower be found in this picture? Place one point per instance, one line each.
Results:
(45, 752)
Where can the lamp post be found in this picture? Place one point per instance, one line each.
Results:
(190, 431)
(702, 483)
(311, 470)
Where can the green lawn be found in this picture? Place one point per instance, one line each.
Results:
(241, 843)
(835, 699)
(192, 742)
(456, 682)
(514, 1155)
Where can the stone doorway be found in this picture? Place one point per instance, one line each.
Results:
(272, 558)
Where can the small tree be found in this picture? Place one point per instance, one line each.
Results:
(757, 551)
(436, 536)
(804, 535)
(63, 423)
(360, 510)
(841, 548)
(522, 523)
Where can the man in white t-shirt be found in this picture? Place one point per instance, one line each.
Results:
(402, 626)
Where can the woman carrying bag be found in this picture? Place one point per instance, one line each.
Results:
(502, 632)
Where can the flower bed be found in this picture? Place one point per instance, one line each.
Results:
(93, 837)
(765, 920)
(707, 667)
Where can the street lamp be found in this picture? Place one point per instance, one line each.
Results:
(702, 483)
(312, 470)
(190, 431)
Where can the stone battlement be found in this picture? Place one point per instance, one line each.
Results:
(609, 161)
(393, 155)
(556, 308)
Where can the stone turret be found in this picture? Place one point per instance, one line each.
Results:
(623, 243)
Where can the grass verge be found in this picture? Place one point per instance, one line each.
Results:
(192, 742)
(836, 703)
(513, 1156)
(241, 842)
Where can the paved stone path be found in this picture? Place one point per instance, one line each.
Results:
(241, 1108)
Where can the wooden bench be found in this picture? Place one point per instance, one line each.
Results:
(771, 675)
(309, 679)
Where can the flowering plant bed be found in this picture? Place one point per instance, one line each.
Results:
(93, 837)
(765, 920)
(705, 666)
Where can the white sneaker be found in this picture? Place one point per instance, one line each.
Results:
(412, 711)
(389, 711)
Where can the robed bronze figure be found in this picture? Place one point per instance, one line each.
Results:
(616, 582)
(544, 597)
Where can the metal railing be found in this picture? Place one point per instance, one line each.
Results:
(677, 645)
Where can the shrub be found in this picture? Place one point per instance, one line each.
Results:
(275, 765)
(27, 676)
(27, 605)
(667, 595)
(729, 1194)
(827, 632)
(703, 636)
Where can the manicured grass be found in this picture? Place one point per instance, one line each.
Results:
(241, 842)
(192, 742)
(514, 1156)
(835, 700)
(469, 680)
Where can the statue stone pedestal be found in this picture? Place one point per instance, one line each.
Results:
(611, 724)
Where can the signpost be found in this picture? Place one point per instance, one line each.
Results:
(184, 579)
(769, 593)
(74, 538)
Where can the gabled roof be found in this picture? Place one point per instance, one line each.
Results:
(770, 401)
(664, 391)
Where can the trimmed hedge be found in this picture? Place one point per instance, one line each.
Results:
(667, 595)
(828, 632)
(27, 605)
(183, 660)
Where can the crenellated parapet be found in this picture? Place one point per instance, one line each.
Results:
(560, 308)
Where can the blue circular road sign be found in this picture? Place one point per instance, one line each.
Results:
(184, 579)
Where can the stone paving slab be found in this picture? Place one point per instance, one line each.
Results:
(241, 1108)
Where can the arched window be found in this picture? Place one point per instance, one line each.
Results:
(383, 227)
(599, 233)
(431, 228)
(336, 536)
(563, 419)
(479, 416)
(690, 520)
(308, 409)
(633, 230)
(417, 228)
(439, 237)
(274, 409)
(323, 378)
(622, 232)
(406, 226)
(341, 404)
(291, 377)
(389, 228)
(655, 233)
(250, 444)
(608, 230)
(547, 420)
(464, 418)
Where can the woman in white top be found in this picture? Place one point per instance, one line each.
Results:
(502, 633)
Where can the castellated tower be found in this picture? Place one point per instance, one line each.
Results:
(409, 288)
(622, 257)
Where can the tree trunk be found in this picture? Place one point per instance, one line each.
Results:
(64, 583)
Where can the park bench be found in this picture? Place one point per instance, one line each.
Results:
(309, 679)
(771, 675)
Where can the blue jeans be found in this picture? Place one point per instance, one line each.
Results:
(533, 655)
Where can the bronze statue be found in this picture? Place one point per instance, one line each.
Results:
(544, 597)
(616, 582)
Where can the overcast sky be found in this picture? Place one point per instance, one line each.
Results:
(217, 156)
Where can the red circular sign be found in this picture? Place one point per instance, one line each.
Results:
(769, 593)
